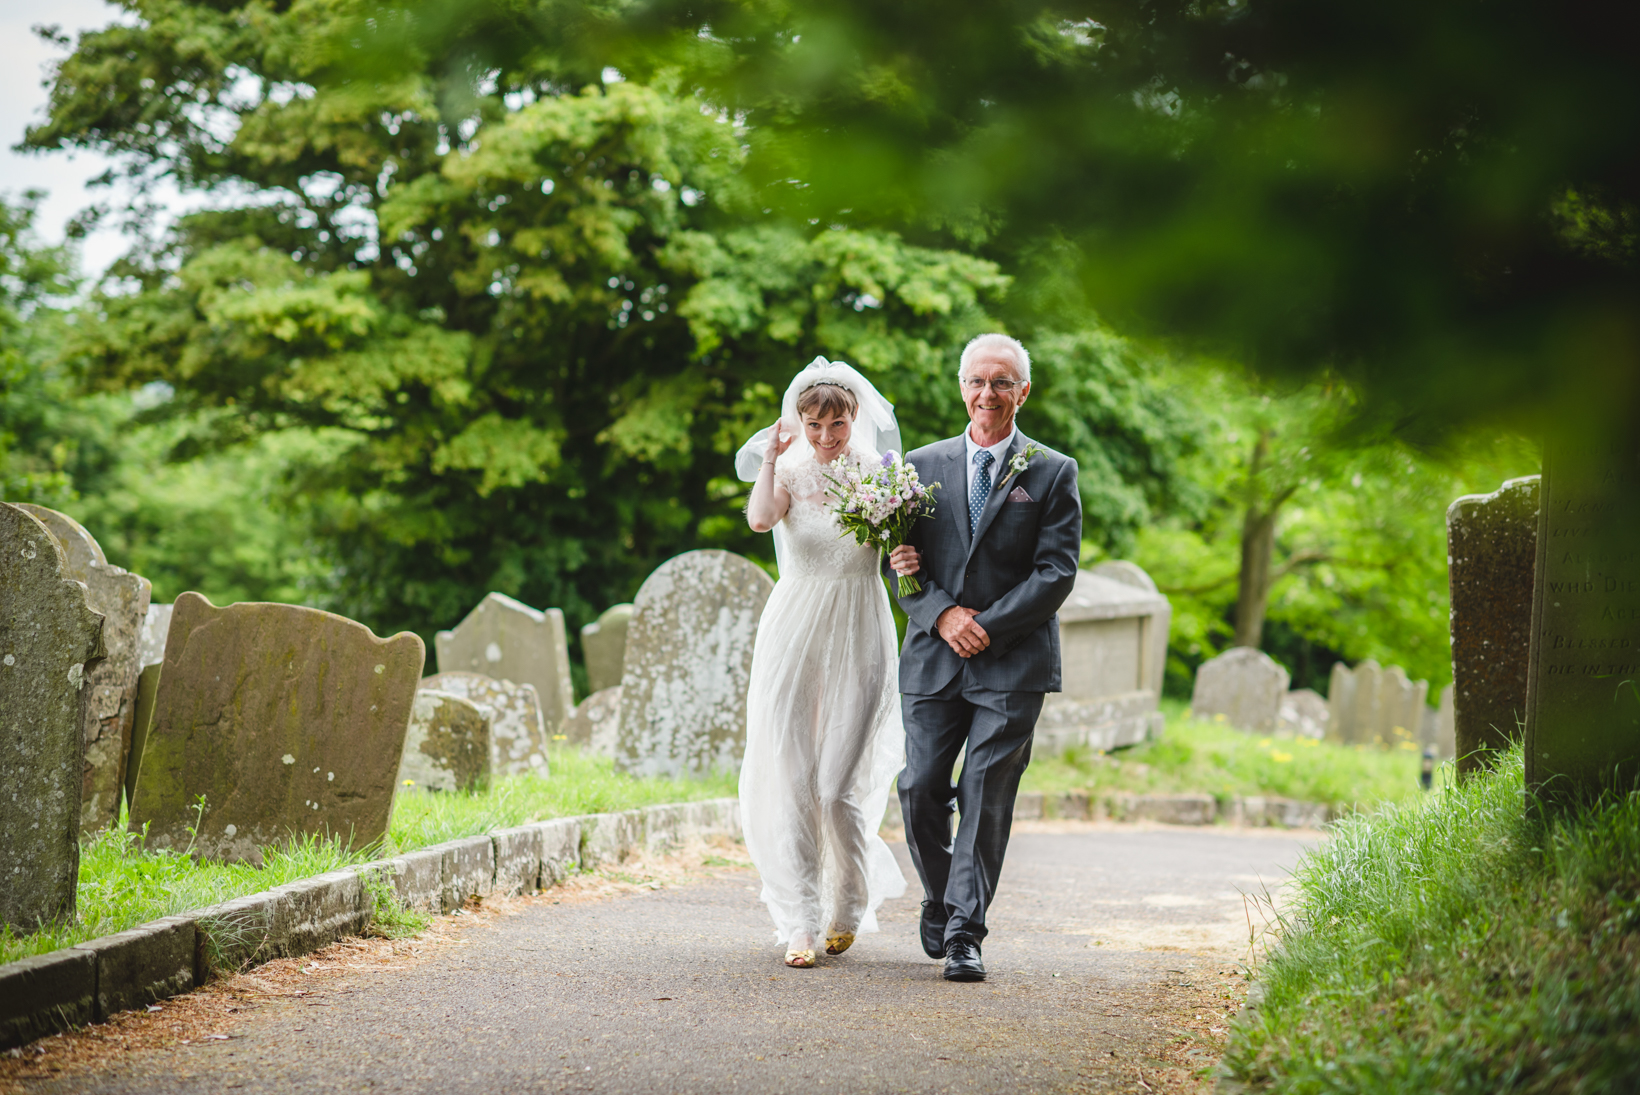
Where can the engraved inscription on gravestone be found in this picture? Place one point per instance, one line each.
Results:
(1583, 691)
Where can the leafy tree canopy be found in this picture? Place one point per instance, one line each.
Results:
(525, 315)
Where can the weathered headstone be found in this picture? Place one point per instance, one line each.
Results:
(1244, 685)
(603, 645)
(1491, 550)
(447, 747)
(518, 734)
(285, 720)
(688, 661)
(151, 656)
(1446, 744)
(1303, 713)
(1583, 689)
(1401, 706)
(1113, 647)
(596, 724)
(1366, 713)
(509, 640)
(122, 599)
(1340, 703)
(49, 636)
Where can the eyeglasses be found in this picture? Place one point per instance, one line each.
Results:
(1001, 387)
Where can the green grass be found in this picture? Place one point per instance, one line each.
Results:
(1466, 944)
(1195, 756)
(123, 884)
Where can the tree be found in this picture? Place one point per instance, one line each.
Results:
(531, 317)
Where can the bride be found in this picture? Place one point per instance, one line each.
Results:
(823, 732)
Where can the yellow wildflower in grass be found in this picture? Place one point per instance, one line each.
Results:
(1281, 758)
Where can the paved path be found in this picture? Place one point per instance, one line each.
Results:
(1104, 939)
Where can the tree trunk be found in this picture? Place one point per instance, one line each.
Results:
(1258, 543)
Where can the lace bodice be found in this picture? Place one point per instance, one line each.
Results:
(812, 545)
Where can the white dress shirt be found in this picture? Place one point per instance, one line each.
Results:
(996, 452)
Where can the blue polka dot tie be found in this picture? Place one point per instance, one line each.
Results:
(981, 491)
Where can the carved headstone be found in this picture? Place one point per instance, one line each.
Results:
(1113, 643)
(1583, 689)
(285, 719)
(122, 599)
(688, 661)
(596, 724)
(151, 656)
(510, 641)
(1244, 685)
(1491, 549)
(49, 638)
(1304, 713)
(603, 645)
(447, 747)
(518, 735)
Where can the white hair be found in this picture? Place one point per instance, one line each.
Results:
(1010, 346)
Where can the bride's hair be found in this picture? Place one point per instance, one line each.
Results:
(825, 398)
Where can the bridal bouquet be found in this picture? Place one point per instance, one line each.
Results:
(879, 502)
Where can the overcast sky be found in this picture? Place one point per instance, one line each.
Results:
(23, 61)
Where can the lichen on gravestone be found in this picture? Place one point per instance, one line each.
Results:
(518, 733)
(49, 639)
(447, 747)
(1244, 685)
(603, 647)
(122, 599)
(688, 662)
(285, 720)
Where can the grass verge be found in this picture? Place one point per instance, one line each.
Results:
(1195, 757)
(123, 883)
(1460, 945)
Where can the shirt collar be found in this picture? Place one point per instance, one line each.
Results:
(996, 450)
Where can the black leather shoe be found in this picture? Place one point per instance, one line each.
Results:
(933, 931)
(962, 961)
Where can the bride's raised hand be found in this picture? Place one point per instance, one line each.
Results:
(781, 436)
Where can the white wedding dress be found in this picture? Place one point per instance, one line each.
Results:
(823, 732)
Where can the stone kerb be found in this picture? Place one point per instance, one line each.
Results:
(518, 729)
(1113, 632)
(603, 647)
(1185, 809)
(447, 747)
(50, 644)
(285, 720)
(508, 640)
(1491, 548)
(1244, 685)
(688, 662)
(122, 598)
(47, 993)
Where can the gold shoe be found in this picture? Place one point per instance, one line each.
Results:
(838, 941)
(800, 960)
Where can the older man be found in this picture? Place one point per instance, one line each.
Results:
(997, 559)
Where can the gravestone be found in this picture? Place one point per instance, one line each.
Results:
(1401, 706)
(287, 720)
(49, 638)
(150, 655)
(1366, 712)
(518, 734)
(1303, 713)
(1582, 698)
(447, 747)
(1491, 550)
(122, 599)
(688, 660)
(1244, 685)
(596, 724)
(1340, 702)
(603, 646)
(1113, 648)
(510, 641)
(1446, 743)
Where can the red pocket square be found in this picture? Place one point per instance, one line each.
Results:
(1018, 495)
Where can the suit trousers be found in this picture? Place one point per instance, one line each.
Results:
(961, 870)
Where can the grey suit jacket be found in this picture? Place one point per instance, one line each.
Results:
(1017, 569)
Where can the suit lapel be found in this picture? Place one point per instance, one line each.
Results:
(993, 504)
(954, 478)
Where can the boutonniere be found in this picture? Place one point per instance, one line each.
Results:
(1022, 460)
